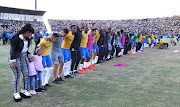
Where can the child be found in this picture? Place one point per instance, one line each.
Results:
(32, 74)
(39, 68)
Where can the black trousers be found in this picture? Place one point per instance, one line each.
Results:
(125, 49)
(4, 41)
(117, 49)
(36, 43)
(113, 50)
(105, 50)
(139, 46)
(76, 57)
(101, 54)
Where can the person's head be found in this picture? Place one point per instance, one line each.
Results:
(63, 32)
(73, 29)
(118, 33)
(94, 26)
(161, 37)
(86, 29)
(104, 29)
(27, 31)
(54, 38)
(81, 25)
(93, 32)
(101, 32)
(38, 51)
(109, 29)
(122, 31)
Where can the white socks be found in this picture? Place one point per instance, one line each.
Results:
(93, 61)
(48, 74)
(81, 67)
(85, 64)
(65, 68)
(96, 59)
(122, 51)
(109, 56)
(44, 76)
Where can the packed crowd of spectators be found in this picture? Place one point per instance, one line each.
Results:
(165, 25)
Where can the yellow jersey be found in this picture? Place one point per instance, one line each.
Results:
(45, 45)
(68, 39)
(152, 36)
(171, 39)
(140, 38)
(84, 40)
(149, 40)
(161, 41)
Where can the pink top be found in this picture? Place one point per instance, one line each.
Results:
(32, 70)
(90, 42)
(130, 39)
(38, 63)
(123, 40)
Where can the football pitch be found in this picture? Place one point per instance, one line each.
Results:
(150, 79)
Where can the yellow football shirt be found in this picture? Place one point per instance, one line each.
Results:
(140, 38)
(68, 39)
(149, 40)
(161, 41)
(45, 45)
(84, 40)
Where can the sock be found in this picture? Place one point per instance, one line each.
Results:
(134, 50)
(122, 51)
(48, 75)
(119, 53)
(68, 67)
(81, 67)
(93, 62)
(141, 48)
(108, 56)
(65, 69)
(85, 65)
(96, 59)
(44, 76)
(89, 63)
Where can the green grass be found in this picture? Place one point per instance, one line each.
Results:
(150, 79)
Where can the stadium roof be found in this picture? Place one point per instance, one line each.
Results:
(20, 11)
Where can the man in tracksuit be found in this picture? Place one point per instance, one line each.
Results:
(75, 49)
(101, 46)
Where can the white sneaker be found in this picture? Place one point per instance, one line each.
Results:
(17, 97)
(139, 51)
(25, 94)
(32, 92)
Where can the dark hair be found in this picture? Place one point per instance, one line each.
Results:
(72, 26)
(27, 27)
(93, 30)
(66, 31)
(122, 31)
(55, 35)
(93, 24)
(109, 28)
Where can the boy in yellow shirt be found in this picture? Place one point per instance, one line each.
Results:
(45, 44)
(68, 39)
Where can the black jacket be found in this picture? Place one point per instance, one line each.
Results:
(16, 47)
(77, 39)
(100, 41)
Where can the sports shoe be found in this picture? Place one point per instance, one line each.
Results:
(72, 73)
(38, 90)
(17, 97)
(94, 65)
(60, 79)
(56, 81)
(67, 77)
(97, 64)
(76, 72)
(41, 89)
(86, 69)
(129, 53)
(25, 94)
(70, 76)
(139, 51)
(122, 55)
(91, 67)
(81, 71)
(44, 87)
(48, 85)
(33, 92)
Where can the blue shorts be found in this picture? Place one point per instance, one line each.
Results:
(95, 48)
(122, 46)
(89, 53)
(152, 41)
(46, 61)
(84, 53)
(132, 42)
(67, 54)
(146, 41)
